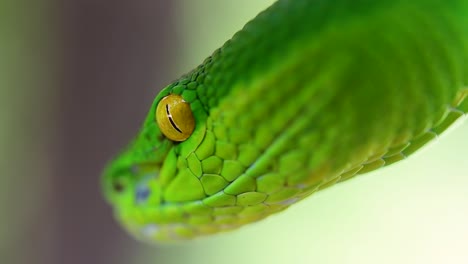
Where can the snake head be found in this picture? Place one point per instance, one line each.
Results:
(164, 187)
(169, 184)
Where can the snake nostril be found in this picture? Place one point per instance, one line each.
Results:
(118, 187)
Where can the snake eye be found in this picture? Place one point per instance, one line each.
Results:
(175, 118)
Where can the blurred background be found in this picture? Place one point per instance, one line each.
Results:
(76, 80)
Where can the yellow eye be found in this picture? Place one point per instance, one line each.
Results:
(175, 118)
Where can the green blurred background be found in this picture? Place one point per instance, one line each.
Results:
(76, 79)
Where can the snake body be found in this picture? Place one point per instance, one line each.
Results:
(308, 94)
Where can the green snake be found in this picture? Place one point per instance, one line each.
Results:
(308, 94)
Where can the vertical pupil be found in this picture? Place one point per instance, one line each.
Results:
(171, 120)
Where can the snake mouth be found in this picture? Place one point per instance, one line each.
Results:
(151, 233)
(154, 232)
(174, 231)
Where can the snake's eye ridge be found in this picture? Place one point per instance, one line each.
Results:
(175, 118)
